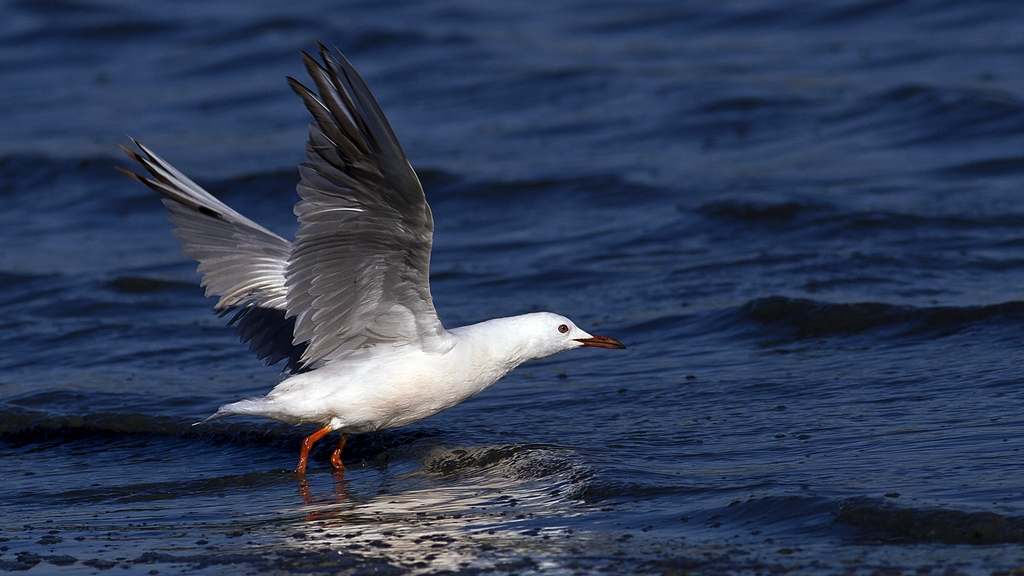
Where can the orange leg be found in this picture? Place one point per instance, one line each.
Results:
(307, 444)
(336, 455)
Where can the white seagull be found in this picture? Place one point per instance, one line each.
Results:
(347, 304)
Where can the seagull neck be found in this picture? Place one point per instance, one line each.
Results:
(499, 340)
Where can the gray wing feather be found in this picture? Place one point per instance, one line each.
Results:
(359, 269)
(241, 262)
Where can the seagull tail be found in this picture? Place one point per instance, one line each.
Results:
(247, 406)
(210, 418)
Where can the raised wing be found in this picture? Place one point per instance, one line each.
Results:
(241, 262)
(359, 269)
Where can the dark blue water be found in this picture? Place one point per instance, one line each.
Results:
(806, 220)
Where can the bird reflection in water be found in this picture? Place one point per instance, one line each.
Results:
(340, 496)
(449, 508)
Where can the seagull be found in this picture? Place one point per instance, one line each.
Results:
(347, 304)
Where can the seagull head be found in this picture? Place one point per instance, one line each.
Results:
(550, 333)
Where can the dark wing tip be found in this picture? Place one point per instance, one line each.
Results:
(160, 182)
(130, 174)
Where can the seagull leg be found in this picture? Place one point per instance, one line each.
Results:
(307, 444)
(336, 455)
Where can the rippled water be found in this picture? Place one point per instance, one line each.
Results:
(805, 219)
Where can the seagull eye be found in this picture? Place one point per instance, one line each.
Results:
(563, 328)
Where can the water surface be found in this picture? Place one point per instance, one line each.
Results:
(805, 220)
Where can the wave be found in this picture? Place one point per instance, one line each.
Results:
(888, 522)
(521, 461)
(452, 460)
(931, 114)
(142, 285)
(21, 426)
(748, 211)
(29, 173)
(809, 318)
(25, 426)
(833, 218)
(1006, 166)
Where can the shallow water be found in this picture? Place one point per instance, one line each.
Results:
(805, 220)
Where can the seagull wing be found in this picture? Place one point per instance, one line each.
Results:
(359, 271)
(241, 262)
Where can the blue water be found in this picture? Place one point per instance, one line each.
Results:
(805, 219)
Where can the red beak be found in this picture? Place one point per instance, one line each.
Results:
(602, 342)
